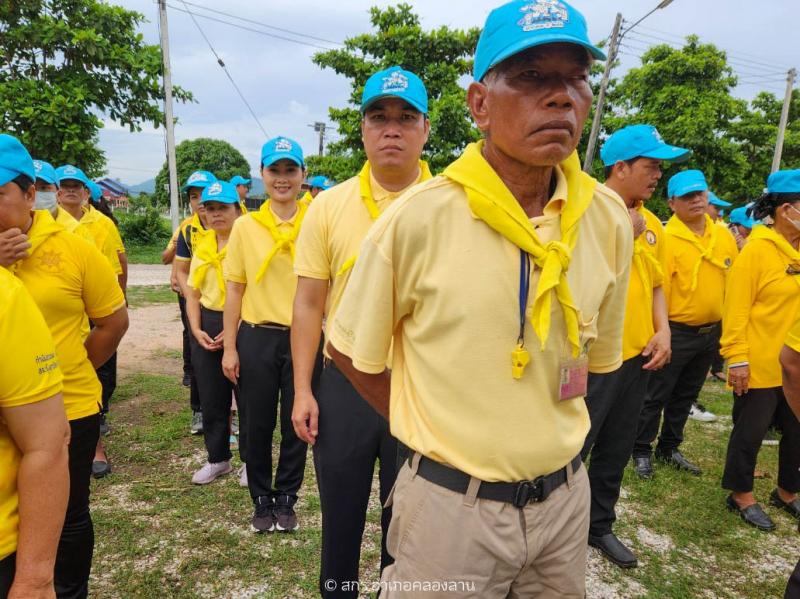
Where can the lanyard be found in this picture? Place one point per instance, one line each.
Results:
(520, 356)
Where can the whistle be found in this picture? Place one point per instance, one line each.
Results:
(519, 360)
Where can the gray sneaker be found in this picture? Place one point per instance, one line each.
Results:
(197, 423)
(263, 517)
(210, 472)
(285, 518)
(243, 476)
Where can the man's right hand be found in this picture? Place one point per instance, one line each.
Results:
(14, 246)
(305, 417)
(230, 365)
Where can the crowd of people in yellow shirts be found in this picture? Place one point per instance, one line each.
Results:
(479, 335)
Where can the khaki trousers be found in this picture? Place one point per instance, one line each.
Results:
(450, 545)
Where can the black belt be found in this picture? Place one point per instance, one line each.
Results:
(518, 494)
(703, 329)
(267, 325)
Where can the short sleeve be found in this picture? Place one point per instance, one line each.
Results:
(234, 265)
(793, 337)
(312, 257)
(370, 291)
(182, 250)
(115, 238)
(30, 373)
(102, 295)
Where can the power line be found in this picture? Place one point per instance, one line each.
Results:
(230, 78)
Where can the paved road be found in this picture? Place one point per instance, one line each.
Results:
(148, 274)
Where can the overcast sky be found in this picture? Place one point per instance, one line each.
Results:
(288, 92)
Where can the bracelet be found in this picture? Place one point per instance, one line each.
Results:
(738, 365)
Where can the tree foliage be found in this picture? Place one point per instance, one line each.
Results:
(66, 64)
(213, 155)
(440, 57)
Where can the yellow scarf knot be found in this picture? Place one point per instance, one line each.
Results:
(678, 228)
(283, 241)
(206, 252)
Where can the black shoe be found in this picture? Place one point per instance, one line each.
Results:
(100, 468)
(792, 507)
(285, 518)
(676, 459)
(643, 467)
(263, 517)
(104, 428)
(187, 379)
(754, 515)
(610, 546)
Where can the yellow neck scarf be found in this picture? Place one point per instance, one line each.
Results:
(783, 245)
(206, 252)
(492, 202)
(42, 227)
(677, 228)
(265, 217)
(365, 189)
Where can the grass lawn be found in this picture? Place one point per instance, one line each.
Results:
(143, 295)
(144, 254)
(159, 536)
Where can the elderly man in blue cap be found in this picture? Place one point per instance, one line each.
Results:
(242, 187)
(499, 286)
(716, 206)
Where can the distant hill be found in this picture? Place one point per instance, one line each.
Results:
(148, 186)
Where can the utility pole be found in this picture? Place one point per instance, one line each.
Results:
(172, 165)
(787, 100)
(319, 127)
(601, 96)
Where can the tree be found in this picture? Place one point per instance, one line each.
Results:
(440, 58)
(213, 155)
(65, 64)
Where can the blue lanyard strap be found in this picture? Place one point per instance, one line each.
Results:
(524, 288)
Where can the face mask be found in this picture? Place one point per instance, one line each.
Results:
(796, 223)
(45, 200)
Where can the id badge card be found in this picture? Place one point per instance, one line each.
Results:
(574, 377)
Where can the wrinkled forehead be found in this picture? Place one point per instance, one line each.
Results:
(572, 54)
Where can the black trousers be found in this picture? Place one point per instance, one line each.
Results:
(352, 436)
(76, 545)
(107, 375)
(753, 414)
(216, 393)
(8, 567)
(614, 402)
(793, 588)
(674, 388)
(194, 392)
(265, 383)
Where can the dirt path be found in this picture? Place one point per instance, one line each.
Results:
(148, 274)
(153, 342)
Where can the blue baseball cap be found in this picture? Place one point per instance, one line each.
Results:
(784, 182)
(640, 141)
(523, 24)
(278, 148)
(45, 171)
(715, 200)
(201, 179)
(14, 160)
(239, 180)
(398, 83)
(321, 181)
(67, 172)
(95, 190)
(686, 182)
(220, 191)
(739, 216)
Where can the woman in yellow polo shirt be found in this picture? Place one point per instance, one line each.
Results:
(68, 279)
(761, 304)
(204, 307)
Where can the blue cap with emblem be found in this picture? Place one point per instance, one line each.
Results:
(279, 148)
(523, 24)
(784, 182)
(715, 200)
(321, 181)
(239, 180)
(95, 190)
(395, 82)
(67, 172)
(640, 141)
(220, 191)
(14, 160)
(45, 171)
(739, 216)
(686, 182)
(201, 179)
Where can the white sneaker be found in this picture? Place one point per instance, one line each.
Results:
(210, 472)
(243, 476)
(699, 413)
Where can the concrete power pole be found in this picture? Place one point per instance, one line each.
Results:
(787, 100)
(172, 165)
(601, 96)
(320, 127)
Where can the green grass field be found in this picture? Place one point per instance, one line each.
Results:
(144, 254)
(159, 536)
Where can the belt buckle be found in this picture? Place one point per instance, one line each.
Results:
(704, 330)
(528, 491)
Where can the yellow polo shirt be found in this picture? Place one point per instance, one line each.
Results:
(704, 304)
(69, 279)
(65, 219)
(28, 373)
(206, 272)
(443, 287)
(761, 305)
(334, 228)
(106, 236)
(271, 299)
(173, 241)
(647, 273)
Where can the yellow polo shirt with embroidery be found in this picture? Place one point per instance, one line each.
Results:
(206, 272)
(73, 226)
(444, 288)
(761, 305)
(28, 374)
(334, 228)
(106, 236)
(69, 279)
(271, 299)
(703, 305)
(647, 273)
